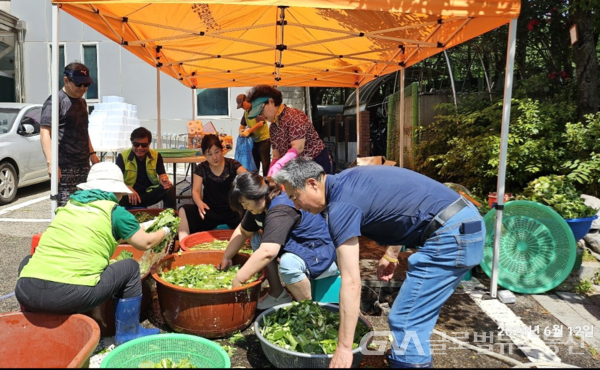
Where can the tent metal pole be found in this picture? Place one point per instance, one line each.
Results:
(158, 128)
(508, 84)
(451, 78)
(401, 125)
(357, 121)
(193, 103)
(54, 129)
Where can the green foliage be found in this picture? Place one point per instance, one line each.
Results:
(582, 153)
(584, 287)
(559, 193)
(463, 146)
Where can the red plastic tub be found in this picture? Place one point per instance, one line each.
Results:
(207, 313)
(37, 340)
(204, 237)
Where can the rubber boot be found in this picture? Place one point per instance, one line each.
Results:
(127, 320)
(395, 364)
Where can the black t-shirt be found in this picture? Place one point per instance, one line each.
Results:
(216, 188)
(73, 137)
(276, 224)
(142, 182)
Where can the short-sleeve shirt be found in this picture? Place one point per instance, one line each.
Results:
(389, 205)
(216, 188)
(124, 224)
(73, 137)
(294, 125)
(276, 224)
(258, 135)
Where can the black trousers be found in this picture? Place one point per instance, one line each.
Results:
(261, 152)
(120, 279)
(153, 197)
(211, 220)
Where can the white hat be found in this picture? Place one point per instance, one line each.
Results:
(105, 176)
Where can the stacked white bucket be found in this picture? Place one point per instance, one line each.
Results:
(111, 123)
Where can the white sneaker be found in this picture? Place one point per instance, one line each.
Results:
(270, 301)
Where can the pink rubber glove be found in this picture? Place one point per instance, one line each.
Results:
(291, 154)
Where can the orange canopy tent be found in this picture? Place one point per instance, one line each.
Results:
(333, 43)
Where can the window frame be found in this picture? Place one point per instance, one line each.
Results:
(60, 72)
(97, 81)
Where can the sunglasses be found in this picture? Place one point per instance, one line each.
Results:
(87, 84)
(143, 145)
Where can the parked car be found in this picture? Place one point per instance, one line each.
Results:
(22, 160)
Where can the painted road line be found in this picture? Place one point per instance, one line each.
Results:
(25, 220)
(511, 325)
(24, 204)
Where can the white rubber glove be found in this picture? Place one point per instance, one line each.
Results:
(146, 225)
(167, 232)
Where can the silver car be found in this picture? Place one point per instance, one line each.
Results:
(22, 160)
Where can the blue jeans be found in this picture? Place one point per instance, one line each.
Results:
(291, 267)
(433, 274)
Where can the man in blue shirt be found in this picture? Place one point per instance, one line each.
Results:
(393, 206)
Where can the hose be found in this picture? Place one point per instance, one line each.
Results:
(7, 296)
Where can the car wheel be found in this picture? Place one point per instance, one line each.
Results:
(8, 183)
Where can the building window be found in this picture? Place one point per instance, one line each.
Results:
(212, 102)
(61, 65)
(90, 59)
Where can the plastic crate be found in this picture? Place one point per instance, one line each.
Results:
(38, 340)
(326, 290)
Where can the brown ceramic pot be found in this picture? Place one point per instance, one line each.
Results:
(207, 313)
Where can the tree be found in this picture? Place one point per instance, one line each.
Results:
(585, 18)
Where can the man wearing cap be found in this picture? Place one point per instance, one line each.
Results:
(292, 133)
(70, 270)
(75, 149)
(259, 132)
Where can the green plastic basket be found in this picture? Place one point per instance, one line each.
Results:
(537, 247)
(202, 352)
(179, 153)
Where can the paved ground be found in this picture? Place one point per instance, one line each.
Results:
(526, 331)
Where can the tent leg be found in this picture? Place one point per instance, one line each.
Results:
(401, 121)
(358, 123)
(54, 128)
(508, 84)
(158, 126)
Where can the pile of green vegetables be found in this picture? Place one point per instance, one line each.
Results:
(203, 277)
(219, 245)
(559, 193)
(306, 327)
(122, 256)
(143, 217)
(165, 218)
(167, 363)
